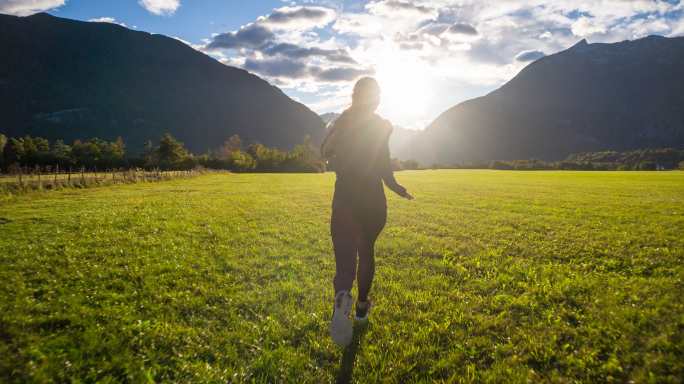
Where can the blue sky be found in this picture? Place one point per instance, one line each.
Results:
(192, 21)
(427, 54)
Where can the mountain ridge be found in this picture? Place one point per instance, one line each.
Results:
(578, 100)
(68, 79)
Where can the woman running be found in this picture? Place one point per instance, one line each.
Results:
(357, 149)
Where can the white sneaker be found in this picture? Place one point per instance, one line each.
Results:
(341, 327)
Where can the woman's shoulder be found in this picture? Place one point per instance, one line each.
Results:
(345, 118)
(384, 124)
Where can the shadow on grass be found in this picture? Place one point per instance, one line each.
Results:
(344, 375)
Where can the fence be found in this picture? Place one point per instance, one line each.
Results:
(40, 178)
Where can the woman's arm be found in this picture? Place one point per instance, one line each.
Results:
(386, 166)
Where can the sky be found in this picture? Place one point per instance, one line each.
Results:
(427, 55)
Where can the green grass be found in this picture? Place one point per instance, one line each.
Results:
(486, 276)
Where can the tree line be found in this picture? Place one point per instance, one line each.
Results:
(171, 154)
(636, 160)
(168, 154)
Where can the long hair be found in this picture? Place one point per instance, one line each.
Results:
(365, 100)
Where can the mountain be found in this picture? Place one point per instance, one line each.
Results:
(401, 142)
(587, 98)
(67, 79)
(329, 117)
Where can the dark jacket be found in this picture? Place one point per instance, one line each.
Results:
(357, 149)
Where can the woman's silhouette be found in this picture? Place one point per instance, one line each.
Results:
(357, 149)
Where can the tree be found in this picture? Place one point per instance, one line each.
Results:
(14, 151)
(3, 142)
(149, 155)
(42, 155)
(241, 161)
(171, 153)
(501, 165)
(267, 159)
(61, 153)
(410, 164)
(30, 151)
(303, 158)
(86, 153)
(233, 144)
(113, 153)
(648, 166)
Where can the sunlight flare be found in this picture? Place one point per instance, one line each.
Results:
(405, 94)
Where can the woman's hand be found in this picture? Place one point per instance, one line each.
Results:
(407, 195)
(399, 190)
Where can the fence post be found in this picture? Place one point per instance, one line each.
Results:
(56, 172)
(69, 176)
(83, 175)
(40, 183)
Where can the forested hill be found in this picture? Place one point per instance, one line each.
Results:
(590, 97)
(67, 79)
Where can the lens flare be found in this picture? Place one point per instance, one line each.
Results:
(405, 94)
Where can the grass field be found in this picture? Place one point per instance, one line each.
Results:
(486, 276)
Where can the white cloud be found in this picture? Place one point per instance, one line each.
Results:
(361, 24)
(300, 18)
(678, 29)
(585, 26)
(28, 7)
(400, 7)
(286, 48)
(531, 55)
(649, 26)
(110, 20)
(160, 7)
(436, 53)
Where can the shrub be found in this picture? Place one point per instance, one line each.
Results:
(410, 164)
(500, 165)
(242, 161)
(647, 166)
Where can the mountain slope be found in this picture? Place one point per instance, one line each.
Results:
(66, 79)
(329, 117)
(590, 97)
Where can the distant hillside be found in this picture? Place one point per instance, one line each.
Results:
(329, 117)
(66, 79)
(590, 97)
(401, 143)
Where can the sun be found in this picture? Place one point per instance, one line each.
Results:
(405, 92)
